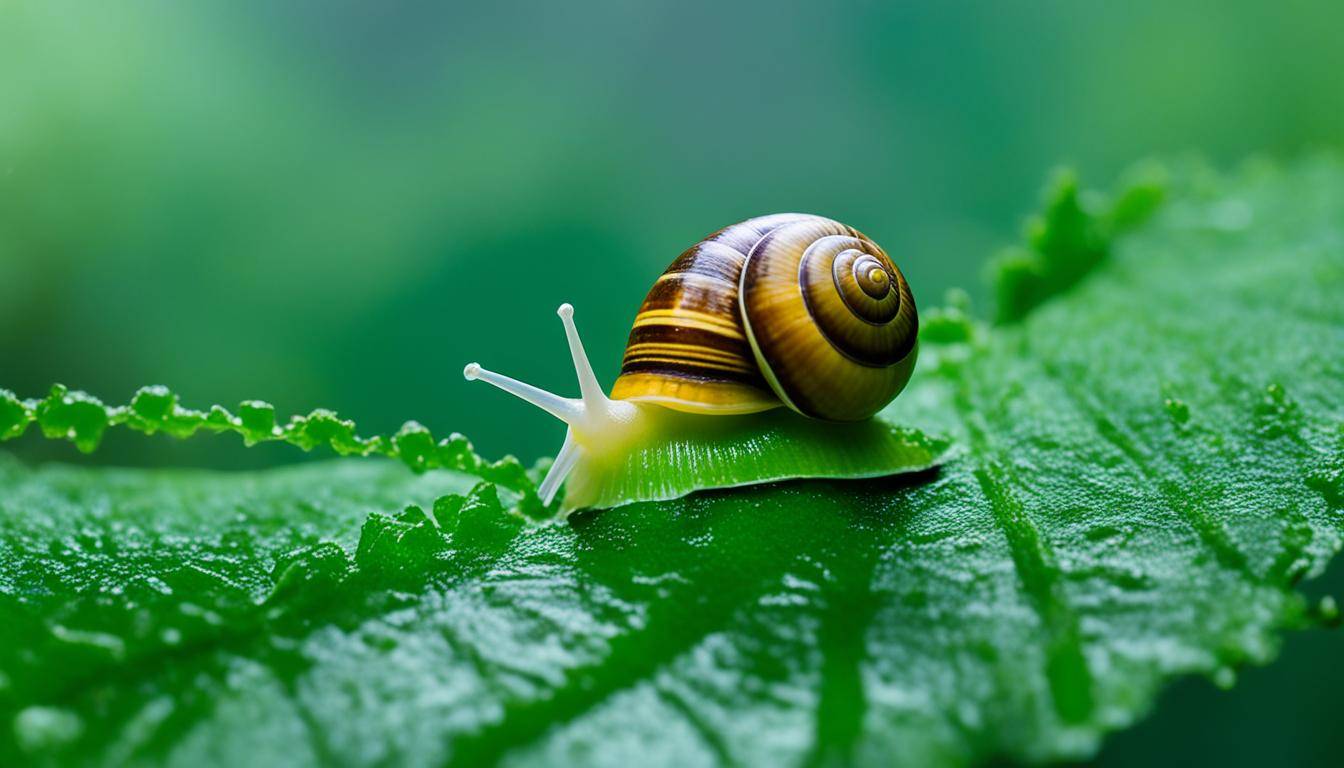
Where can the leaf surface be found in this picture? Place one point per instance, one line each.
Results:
(1152, 460)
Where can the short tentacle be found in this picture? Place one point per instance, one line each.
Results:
(564, 462)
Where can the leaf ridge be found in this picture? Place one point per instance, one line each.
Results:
(523, 722)
(1066, 671)
(847, 617)
(1210, 532)
(703, 729)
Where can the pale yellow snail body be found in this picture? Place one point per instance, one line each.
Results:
(786, 310)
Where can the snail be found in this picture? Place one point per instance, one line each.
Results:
(761, 353)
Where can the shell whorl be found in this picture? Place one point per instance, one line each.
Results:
(789, 308)
(831, 319)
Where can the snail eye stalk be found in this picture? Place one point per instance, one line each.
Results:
(589, 389)
(592, 418)
(565, 409)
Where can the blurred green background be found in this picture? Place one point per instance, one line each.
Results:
(338, 203)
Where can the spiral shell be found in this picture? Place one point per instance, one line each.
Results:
(789, 308)
(831, 319)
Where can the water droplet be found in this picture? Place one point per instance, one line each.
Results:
(1275, 413)
(204, 614)
(969, 715)
(110, 644)
(40, 729)
(1105, 532)
(1225, 677)
(1328, 610)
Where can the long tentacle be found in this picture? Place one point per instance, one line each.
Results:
(589, 387)
(565, 409)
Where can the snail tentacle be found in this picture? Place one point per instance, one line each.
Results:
(589, 388)
(597, 424)
(565, 409)
(569, 455)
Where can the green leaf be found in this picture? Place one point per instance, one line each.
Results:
(83, 419)
(1153, 459)
(1070, 238)
(668, 456)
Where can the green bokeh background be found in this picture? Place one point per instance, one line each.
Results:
(339, 203)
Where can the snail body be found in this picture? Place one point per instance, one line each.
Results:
(760, 354)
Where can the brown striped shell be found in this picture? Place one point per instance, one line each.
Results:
(788, 309)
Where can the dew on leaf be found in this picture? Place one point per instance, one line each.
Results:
(152, 583)
(83, 419)
(206, 615)
(154, 403)
(257, 419)
(1126, 578)
(1107, 531)
(1225, 677)
(1051, 643)
(968, 714)
(220, 419)
(105, 643)
(75, 416)
(1327, 609)
(965, 545)
(932, 537)
(1275, 412)
(43, 729)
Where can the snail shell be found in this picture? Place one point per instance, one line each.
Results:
(789, 309)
